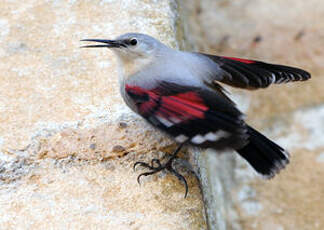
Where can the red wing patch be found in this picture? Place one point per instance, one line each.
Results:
(174, 108)
(246, 61)
(203, 118)
(189, 105)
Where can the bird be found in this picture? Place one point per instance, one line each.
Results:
(181, 94)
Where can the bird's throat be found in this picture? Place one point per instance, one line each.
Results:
(128, 67)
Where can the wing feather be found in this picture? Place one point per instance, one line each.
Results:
(203, 117)
(251, 74)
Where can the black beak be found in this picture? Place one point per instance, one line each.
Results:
(107, 43)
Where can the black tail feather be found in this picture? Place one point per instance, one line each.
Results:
(265, 156)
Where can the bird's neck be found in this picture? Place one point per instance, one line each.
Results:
(128, 67)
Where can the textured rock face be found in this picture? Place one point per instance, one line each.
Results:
(287, 32)
(67, 141)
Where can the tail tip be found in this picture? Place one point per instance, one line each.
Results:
(277, 166)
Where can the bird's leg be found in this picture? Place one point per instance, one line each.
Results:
(156, 166)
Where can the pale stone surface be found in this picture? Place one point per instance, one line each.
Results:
(320, 158)
(69, 194)
(67, 141)
(47, 80)
(287, 32)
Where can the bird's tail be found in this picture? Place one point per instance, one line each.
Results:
(265, 156)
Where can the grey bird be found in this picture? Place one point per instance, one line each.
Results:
(179, 93)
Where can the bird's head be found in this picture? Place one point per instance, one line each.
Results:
(130, 45)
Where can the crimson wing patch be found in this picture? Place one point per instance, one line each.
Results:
(251, 74)
(203, 118)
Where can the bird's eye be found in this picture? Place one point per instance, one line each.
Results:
(133, 41)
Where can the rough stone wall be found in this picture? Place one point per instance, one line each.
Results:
(287, 32)
(67, 141)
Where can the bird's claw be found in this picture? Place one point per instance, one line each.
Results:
(146, 174)
(155, 169)
(180, 178)
(146, 165)
(143, 164)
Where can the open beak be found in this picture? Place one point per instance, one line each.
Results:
(107, 43)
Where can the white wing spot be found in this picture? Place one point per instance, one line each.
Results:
(216, 136)
(273, 78)
(211, 136)
(164, 121)
(181, 138)
(198, 139)
(175, 120)
(280, 80)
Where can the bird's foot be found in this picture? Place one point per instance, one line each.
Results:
(156, 167)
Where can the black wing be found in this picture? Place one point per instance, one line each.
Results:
(204, 118)
(251, 74)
